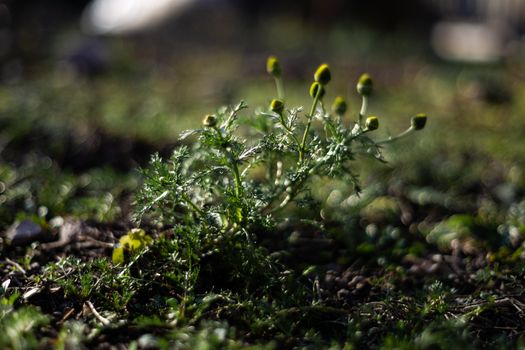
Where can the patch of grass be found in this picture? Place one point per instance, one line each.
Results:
(39, 187)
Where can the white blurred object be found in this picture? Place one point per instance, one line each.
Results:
(511, 12)
(469, 41)
(128, 16)
(476, 30)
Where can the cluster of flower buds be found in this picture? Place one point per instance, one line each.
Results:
(418, 121)
(339, 106)
(322, 76)
(365, 85)
(277, 106)
(209, 121)
(364, 88)
(372, 123)
(317, 89)
(273, 67)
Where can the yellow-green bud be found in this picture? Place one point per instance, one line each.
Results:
(209, 121)
(365, 85)
(316, 89)
(418, 121)
(273, 67)
(339, 106)
(322, 74)
(277, 106)
(372, 123)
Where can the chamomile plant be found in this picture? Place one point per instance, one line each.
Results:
(233, 180)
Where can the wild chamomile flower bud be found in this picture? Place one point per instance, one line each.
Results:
(372, 123)
(209, 121)
(273, 67)
(418, 121)
(277, 106)
(315, 89)
(339, 106)
(322, 74)
(365, 85)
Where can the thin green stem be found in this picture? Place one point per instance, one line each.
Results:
(235, 170)
(397, 137)
(291, 194)
(198, 210)
(362, 112)
(236, 174)
(238, 187)
(302, 148)
(289, 130)
(280, 87)
(193, 205)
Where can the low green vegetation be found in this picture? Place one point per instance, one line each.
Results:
(270, 227)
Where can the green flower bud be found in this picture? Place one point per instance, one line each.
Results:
(209, 121)
(322, 74)
(277, 106)
(372, 123)
(273, 67)
(339, 106)
(315, 89)
(365, 85)
(418, 121)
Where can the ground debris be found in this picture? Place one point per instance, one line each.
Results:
(26, 232)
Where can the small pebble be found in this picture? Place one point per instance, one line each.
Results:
(24, 233)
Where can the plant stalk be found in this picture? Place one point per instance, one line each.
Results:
(302, 148)
(198, 210)
(280, 87)
(236, 175)
(397, 137)
(362, 112)
(290, 131)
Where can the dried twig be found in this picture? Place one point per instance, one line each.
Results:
(99, 317)
(16, 265)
